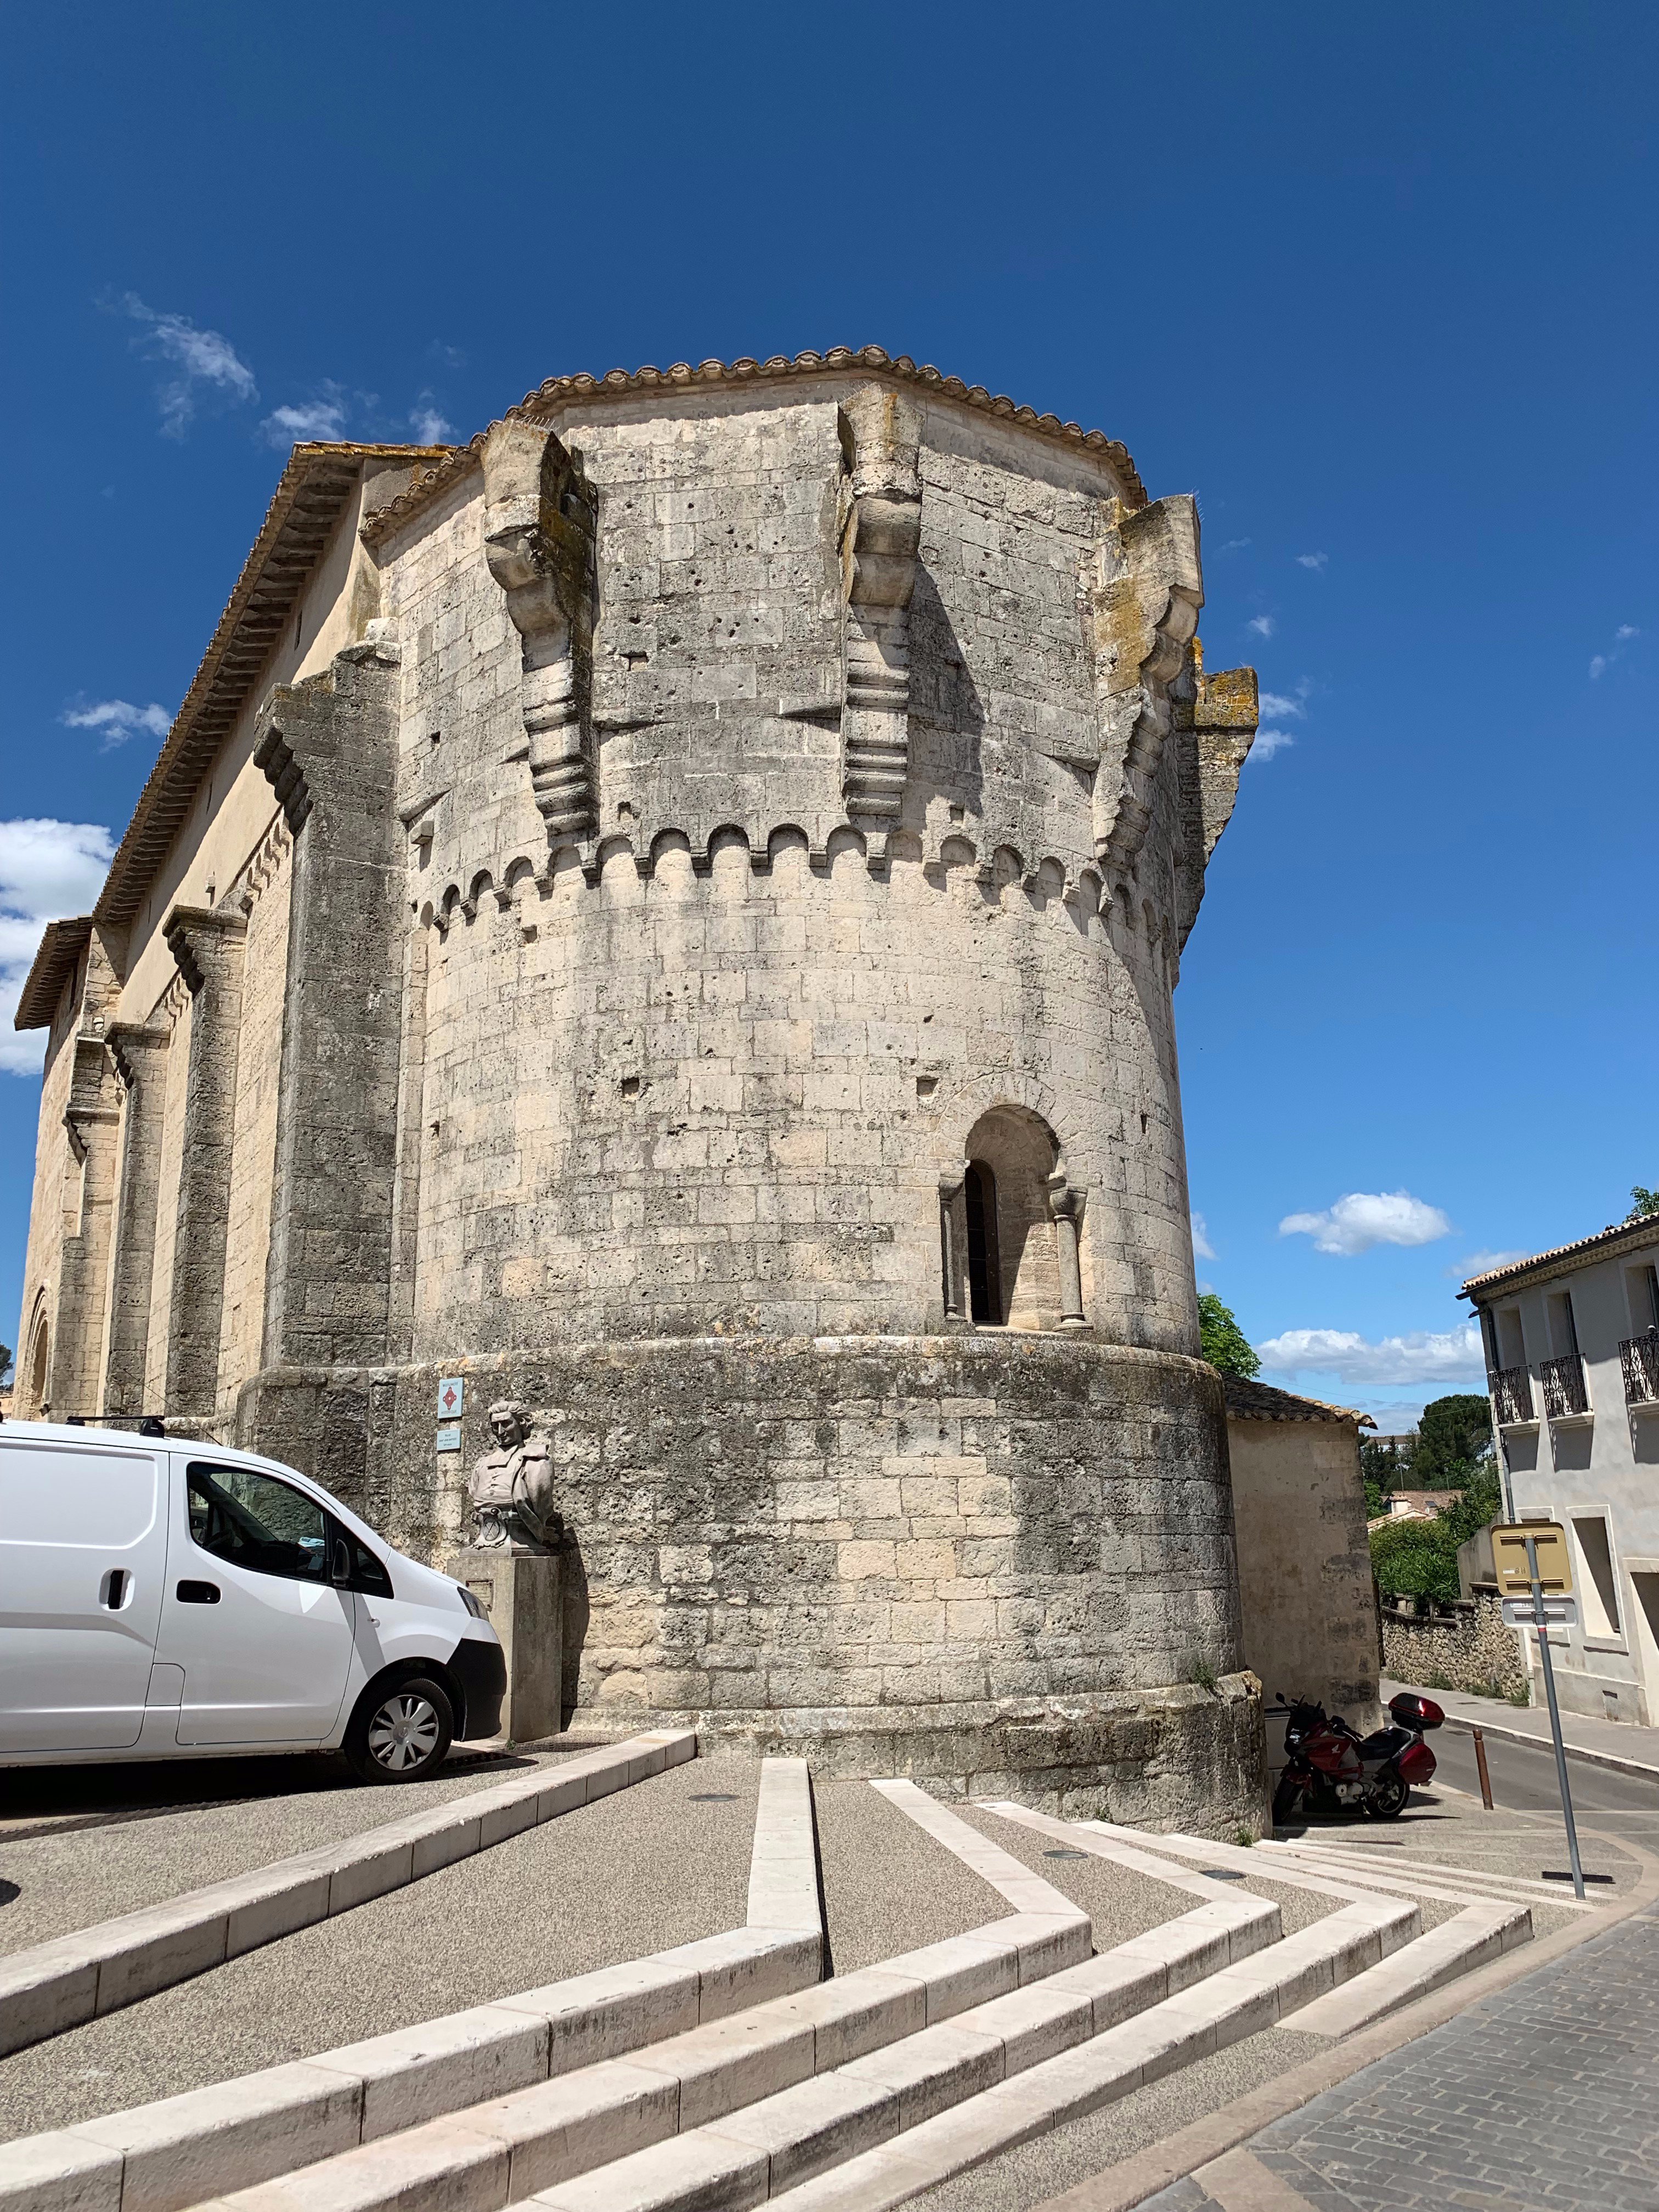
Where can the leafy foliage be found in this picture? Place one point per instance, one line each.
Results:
(1223, 1343)
(1454, 1441)
(5, 1361)
(1419, 1558)
(1644, 1202)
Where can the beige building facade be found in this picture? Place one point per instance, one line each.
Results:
(669, 913)
(1571, 1340)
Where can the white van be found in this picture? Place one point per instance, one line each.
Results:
(164, 1599)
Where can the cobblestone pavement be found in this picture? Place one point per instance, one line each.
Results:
(1545, 2096)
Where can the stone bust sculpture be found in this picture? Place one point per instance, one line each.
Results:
(511, 1488)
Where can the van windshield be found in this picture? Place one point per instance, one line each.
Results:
(255, 1522)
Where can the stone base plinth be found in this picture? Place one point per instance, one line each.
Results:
(994, 1562)
(521, 1592)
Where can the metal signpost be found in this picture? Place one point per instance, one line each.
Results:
(1560, 1607)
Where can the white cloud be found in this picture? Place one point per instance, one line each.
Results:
(1274, 704)
(1312, 560)
(1598, 665)
(1263, 625)
(1424, 1356)
(1361, 1219)
(1482, 1263)
(318, 420)
(1268, 742)
(1234, 545)
(429, 427)
(118, 719)
(1201, 1248)
(47, 869)
(1625, 630)
(200, 358)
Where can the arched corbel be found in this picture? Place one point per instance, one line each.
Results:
(540, 534)
(1146, 596)
(882, 537)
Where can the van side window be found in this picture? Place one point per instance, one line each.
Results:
(368, 1574)
(255, 1522)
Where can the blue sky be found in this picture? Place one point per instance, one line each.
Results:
(1379, 284)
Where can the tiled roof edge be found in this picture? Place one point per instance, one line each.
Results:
(1558, 1254)
(60, 947)
(313, 475)
(621, 383)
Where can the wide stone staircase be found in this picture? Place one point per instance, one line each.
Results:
(727, 2073)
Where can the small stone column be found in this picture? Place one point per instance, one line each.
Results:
(140, 1058)
(208, 947)
(521, 1593)
(91, 1122)
(951, 1252)
(1067, 1204)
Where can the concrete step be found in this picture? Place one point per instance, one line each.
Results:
(58, 1984)
(1471, 1938)
(997, 2072)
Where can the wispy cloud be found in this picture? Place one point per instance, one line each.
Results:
(47, 869)
(1233, 545)
(1263, 625)
(321, 421)
(1361, 1219)
(1202, 1247)
(118, 719)
(1482, 1263)
(200, 361)
(1268, 742)
(1423, 1356)
(1600, 662)
(1315, 560)
(426, 421)
(1275, 705)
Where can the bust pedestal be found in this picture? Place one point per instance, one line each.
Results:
(520, 1591)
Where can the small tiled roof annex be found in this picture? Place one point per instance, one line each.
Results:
(1560, 1257)
(623, 384)
(60, 947)
(1260, 1401)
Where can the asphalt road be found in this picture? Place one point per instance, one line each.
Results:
(1523, 1781)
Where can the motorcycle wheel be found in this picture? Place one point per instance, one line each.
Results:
(1287, 1801)
(1388, 1801)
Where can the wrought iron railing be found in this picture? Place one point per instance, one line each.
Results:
(1639, 1358)
(1512, 1395)
(1565, 1391)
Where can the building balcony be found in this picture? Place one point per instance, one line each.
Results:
(1639, 1358)
(1566, 1396)
(1511, 1397)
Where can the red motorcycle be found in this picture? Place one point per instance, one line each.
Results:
(1330, 1769)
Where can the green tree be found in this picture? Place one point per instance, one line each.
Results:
(1644, 1202)
(5, 1361)
(1383, 1468)
(1453, 1440)
(1223, 1343)
(1419, 1558)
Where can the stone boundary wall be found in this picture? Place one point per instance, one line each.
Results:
(998, 1564)
(1468, 1650)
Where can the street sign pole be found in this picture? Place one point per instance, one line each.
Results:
(1540, 1622)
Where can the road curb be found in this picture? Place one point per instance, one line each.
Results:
(1638, 1768)
(59, 1984)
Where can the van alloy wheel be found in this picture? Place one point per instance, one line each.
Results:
(404, 1732)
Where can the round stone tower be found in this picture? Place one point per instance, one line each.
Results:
(799, 782)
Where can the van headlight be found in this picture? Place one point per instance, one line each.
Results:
(471, 1602)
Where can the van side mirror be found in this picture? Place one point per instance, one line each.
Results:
(339, 1562)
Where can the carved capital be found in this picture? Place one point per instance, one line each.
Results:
(1146, 596)
(540, 541)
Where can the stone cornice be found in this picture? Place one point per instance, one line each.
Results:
(558, 391)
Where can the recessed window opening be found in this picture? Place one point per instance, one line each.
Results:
(1601, 1591)
(1511, 1342)
(38, 1379)
(984, 1273)
(1642, 1288)
(1563, 1331)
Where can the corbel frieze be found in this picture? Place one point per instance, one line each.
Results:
(540, 540)
(880, 542)
(198, 939)
(1144, 598)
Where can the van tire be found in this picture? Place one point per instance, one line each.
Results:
(400, 1731)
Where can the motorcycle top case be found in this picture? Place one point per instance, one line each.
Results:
(1414, 1712)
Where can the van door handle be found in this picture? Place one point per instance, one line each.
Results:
(113, 1593)
(197, 1593)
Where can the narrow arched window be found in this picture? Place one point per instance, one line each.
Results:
(984, 1273)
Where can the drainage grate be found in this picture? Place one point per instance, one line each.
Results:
(714, 1796)
(1221, 1873)
(1066, 1855)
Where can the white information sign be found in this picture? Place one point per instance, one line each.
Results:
(1558, 1612)
(452, 1390)
(449, 1436)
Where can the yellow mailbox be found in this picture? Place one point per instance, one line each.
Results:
(1509, 1558)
